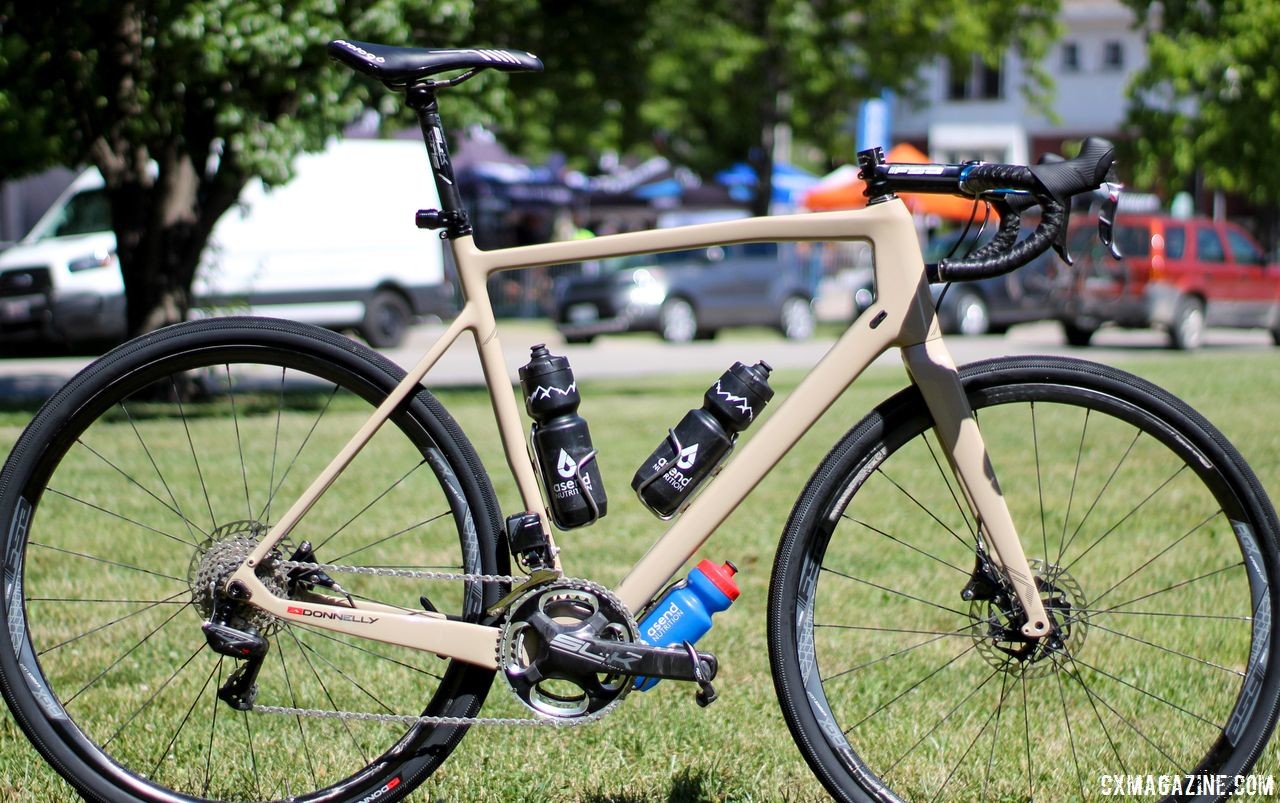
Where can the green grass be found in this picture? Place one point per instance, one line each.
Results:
(658, 745)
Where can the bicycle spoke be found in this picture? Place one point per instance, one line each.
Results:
(1157, 556)
(119, 516)
(895, 591)
(67, 703)
(1071, 496)
(1026, 723)
(897, 540)
(346, 724)
(968, 749)
(1094, 695)
(191, 526)
(912, 687)
(186, 717)
(97, 559)
(367, 651)
(235, 421)
(880, 470)
(393, 535)
(275, 447)
(173, 600)
(1143, 691)
(942, 721)
(1123, 519)
(1066, 718)
(214, 704)
(946, 479)
(1093, 505)
(293, 701)
(1166, 589)
(294, 460)
(1153, 645)
(141, 487)
(995, 734)
(1035, 451)
(896, 654)
(182, 413)
(147, 703)
(371, 503)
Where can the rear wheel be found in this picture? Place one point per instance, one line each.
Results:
(677, 321)
(1078, 334)
(898, 659)
(387, 317)
(796, 319)
(970, 315)
(144, 482)
(1186, 333)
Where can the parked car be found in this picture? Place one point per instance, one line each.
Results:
(687, 295)
(307, 250)
(1177, 274)
(987, 306)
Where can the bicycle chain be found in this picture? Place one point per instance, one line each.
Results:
(409, 719)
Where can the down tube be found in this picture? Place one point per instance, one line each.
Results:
(846, 360)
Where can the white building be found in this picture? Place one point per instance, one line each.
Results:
(972, 111)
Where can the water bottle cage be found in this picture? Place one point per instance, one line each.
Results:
(676, 448)
(577, 475)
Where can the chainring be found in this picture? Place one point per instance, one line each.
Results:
(580, 607)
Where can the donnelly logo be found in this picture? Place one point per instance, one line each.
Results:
(341, 617)
(391, 784)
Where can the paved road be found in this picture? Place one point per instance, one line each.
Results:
(644, 355)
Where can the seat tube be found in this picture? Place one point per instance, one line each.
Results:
(935, 373)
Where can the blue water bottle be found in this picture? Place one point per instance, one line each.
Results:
(684, 612)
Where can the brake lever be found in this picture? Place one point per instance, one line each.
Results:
(1107, 216)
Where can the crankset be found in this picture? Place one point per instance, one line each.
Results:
(570, 650)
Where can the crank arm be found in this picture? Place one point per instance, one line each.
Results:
(588, 654)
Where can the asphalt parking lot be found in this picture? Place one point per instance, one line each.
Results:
(645, 355)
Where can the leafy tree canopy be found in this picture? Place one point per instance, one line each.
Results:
(1209, 97)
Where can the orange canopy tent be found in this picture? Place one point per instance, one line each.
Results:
(849, 195)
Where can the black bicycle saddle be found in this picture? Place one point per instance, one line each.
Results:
(402, 65)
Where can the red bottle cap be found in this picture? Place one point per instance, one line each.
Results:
(721, 577)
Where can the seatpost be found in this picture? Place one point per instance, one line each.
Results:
(452, 217)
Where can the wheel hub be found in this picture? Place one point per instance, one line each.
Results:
(997, 624)
(217, 558)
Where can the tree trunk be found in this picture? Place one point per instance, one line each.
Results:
(162, 227)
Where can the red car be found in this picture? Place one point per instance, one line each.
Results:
(1177, 274)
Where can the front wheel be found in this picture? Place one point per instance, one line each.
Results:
(898, 659)
(146, 480)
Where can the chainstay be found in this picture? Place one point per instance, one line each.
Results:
(409, 719)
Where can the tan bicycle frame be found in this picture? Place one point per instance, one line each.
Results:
(902, 316)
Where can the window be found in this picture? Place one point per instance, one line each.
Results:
(1175, 242)
(1113, 56)
(1243, 249)
(1209, 246)
(974, 79)
(86, 212)
(1070, 57)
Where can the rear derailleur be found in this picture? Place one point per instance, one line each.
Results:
(229, 632)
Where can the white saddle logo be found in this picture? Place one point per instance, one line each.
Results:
(566, 466)
(687, 456)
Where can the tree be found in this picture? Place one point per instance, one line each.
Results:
(179, 104)
(726, 72)
(1208, 101)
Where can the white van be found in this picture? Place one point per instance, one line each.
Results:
(336, 247)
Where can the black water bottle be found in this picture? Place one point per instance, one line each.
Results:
(702, 438)
(561, 441)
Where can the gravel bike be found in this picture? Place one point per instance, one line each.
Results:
(214, 590)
